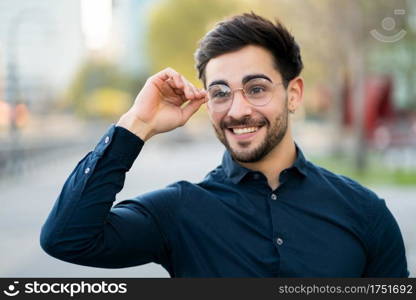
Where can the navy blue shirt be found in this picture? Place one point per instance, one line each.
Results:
(231, 224)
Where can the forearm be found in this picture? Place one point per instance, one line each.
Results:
(80, 213)
(83, 227)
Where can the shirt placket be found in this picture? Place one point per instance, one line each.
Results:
(279, 236)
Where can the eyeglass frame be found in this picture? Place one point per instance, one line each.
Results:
(274, 84)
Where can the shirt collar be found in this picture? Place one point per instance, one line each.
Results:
(300, 162)
(236, 172)
(233, 170)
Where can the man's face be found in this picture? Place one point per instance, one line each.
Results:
(249, 132)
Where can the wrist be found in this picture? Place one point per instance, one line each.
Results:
(136, 126)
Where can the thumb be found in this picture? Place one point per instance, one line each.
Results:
(191, 107)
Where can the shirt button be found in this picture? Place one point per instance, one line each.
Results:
(87, 170)
(107, 139)
(256, 176)
(279, 241)
(273, 196)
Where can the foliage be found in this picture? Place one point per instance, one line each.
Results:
(108, 103)
(93, 82)
(377, 172)
(176, 26)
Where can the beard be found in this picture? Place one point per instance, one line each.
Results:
(276, 130)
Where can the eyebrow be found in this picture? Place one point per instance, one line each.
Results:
(245, 79)
(254, 76)
(218, 82)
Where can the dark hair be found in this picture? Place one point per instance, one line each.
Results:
(251, 29)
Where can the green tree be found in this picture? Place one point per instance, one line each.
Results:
(176, 26)
(95, 76)
(336, 42)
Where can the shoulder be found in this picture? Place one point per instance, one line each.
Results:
(172, 195)
(356, 194)
(192, 193)
(363, 204)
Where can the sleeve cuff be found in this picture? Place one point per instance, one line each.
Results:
(120, 143)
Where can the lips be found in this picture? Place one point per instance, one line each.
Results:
(243, 134)
(244, 130)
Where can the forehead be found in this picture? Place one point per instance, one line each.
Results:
(233, 66)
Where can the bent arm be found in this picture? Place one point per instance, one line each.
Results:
(84, 228)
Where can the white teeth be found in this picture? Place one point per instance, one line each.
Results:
(244, 130)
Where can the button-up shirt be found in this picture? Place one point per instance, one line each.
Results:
(231, 224)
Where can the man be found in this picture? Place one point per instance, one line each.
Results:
(264, 212)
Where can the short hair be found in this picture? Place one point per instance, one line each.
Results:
(251, 29)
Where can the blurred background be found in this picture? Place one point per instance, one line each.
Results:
(70, 68)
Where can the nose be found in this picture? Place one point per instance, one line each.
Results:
(240, 107)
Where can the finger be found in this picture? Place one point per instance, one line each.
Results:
(186, 88)
(203, 93)
(196, 92)
(192, 91)
(178, 81)
(178, 84)
(190, 108)
(165, 74)
(174, 86)
(169, 76)
(178, 92)
(188, 92)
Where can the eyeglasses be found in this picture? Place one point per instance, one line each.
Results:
(258, 92)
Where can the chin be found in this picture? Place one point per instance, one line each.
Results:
(246, 156)
(250, 154)
(254, 151)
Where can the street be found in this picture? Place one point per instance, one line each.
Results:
(27, 200)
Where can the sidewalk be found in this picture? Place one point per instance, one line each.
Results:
(27, 200)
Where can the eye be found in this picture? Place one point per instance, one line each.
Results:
(220, 94)
(256, 90)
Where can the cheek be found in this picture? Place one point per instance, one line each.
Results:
(265, 113)
(216, 118)
(272, 111)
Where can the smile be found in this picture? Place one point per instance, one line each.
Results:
(244, 130)
(245, 134)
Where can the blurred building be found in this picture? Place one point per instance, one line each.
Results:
(43, 43)
(130, 34)
(41, 46)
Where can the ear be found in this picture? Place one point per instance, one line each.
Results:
(295, 94)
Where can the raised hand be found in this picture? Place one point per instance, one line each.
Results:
(166, 102)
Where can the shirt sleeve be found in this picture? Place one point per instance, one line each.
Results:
(387, 257)
(84, 227)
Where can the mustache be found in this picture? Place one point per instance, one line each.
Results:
(246, 122)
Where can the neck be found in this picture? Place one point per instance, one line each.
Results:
(281, 157)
